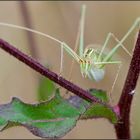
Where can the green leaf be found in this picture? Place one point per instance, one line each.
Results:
(46, 89)
(50, 119)
(96, 110)
(100, 94)
(3, 123)
(100, 111)
(55, 117)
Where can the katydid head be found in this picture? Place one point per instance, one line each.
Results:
(85, 66)
(88, 67)
(85, 61)
(90, 70)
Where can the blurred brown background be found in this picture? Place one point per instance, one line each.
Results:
(61, 19)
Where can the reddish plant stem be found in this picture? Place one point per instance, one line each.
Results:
(32, 63)
(123, 127)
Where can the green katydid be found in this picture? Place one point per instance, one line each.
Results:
(92, 61)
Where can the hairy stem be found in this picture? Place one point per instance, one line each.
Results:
(123, 127)
(47, 73)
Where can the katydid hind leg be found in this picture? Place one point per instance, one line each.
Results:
(122, 46)
(104, 46)
(113, 51)
(82, 23)
(79, 38)
(135, 40)
(108, 38)
(114, 82)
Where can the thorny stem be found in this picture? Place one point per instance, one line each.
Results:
(47, 73)
(123, 127)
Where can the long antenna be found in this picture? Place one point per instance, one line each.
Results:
(31, 30)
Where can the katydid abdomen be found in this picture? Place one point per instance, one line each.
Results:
(96, 74)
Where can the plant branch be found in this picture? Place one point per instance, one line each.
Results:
(32, 63)
(123, 127)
